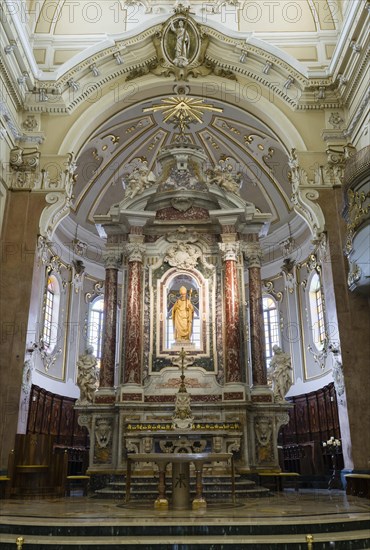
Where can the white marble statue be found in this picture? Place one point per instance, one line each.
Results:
(87, 376)
(182, 47)
(281, 373)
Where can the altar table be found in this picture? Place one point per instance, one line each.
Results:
(180, 475)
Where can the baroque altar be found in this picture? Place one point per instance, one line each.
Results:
(182, 235)
(185, 247)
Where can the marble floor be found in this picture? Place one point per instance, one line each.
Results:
(305, 512)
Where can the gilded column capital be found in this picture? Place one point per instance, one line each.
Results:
(112, 259)
(230, 251)
(135, 252)
(252, 254)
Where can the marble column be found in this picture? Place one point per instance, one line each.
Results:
(133, 336)
(232, 316)
(253, 256)
(112, 260)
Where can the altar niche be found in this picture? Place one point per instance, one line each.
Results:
(172, 303)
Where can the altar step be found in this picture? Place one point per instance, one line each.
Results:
(214, 488)
(157, 533)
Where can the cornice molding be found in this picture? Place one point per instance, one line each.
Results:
(314, 93)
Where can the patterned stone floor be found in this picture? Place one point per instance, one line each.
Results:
(297, 513)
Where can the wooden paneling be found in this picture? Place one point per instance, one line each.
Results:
(313, 420)
(52, 414)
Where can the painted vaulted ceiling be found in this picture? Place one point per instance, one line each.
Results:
(92, 66)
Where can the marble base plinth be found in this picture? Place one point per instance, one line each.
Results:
(188, 346)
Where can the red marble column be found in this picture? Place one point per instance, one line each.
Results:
(112, 262)
(133, 337)
(232, 316)
(253, 255)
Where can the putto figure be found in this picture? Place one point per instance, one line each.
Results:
(182, 317)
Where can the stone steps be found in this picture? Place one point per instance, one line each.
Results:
(352, 535)
(214, 487)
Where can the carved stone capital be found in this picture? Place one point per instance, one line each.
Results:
(253, 254)
(135, 252)
(112, 259)
(229, 251)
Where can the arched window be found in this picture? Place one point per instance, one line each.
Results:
(95, 326)
(317, 312)
(271, 326)
(51, 313)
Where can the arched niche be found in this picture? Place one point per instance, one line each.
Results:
(167, 292)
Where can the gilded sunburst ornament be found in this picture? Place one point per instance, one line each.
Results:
(182, 110)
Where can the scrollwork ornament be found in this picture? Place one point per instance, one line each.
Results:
(48, 360)
(281, 419)
(321, 356)
(43, 249)
(303, 197)
(358, 211)
(354, 275)
(85, 421)
(313, 264)
(98, 291)
(233, 446)
(269, 288)
(288, 272)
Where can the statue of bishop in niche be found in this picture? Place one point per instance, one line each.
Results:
(182, 317)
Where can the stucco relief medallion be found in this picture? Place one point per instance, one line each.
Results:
(180, 41)
(183, 256)
(181, 46)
